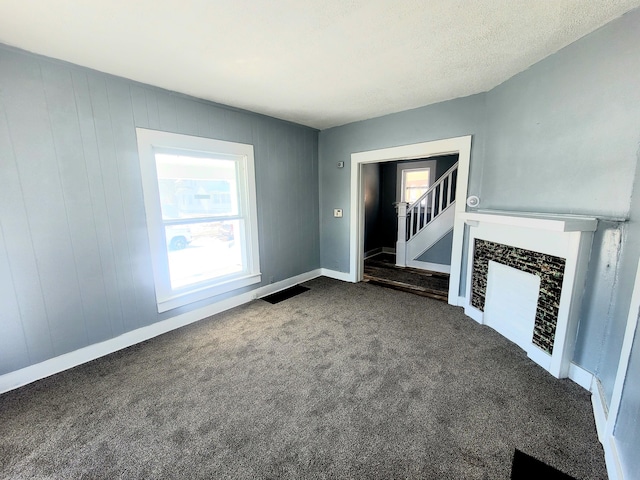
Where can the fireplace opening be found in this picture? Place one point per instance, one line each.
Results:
(510, 303)
(550, 270)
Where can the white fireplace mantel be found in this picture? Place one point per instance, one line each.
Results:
(542, 221)
(566, 237)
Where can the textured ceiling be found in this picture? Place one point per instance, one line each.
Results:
(320, 63)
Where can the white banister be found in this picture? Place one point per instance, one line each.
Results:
(439, 201)
(415, 217)
(401, 244)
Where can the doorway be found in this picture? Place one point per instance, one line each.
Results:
(409, 181)
(460, 146)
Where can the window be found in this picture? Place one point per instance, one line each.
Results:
(200, 203)
(415, 182)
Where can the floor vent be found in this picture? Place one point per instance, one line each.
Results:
(285, 294)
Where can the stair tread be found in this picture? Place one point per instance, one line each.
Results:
(426, 292)
(418, 271)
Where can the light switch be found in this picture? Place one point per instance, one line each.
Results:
(337, 212)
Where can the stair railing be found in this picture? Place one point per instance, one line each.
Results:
(431, 203)
(415, 217)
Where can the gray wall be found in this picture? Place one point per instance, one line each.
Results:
(440, 252)
(455, 118)
(562, 136)
(75, 266)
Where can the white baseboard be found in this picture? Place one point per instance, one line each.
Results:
(287, 283)
(611, 458)
(599, 409)
(434, 267)
(345, 277)
(389, 250)
(18, 378)
(472, 312)
(458, 301)
(582, 377)
(600, 413)
(539, 356)
(372, 252)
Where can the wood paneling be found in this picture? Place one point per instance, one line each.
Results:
(75, 265)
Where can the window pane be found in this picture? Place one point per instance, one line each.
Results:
(200, 252)
(415, 182)
(192, 187)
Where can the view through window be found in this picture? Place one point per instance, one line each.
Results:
(200, 201)
(200, 213)
(415, 182)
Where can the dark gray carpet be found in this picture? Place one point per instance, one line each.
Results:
(344, 381)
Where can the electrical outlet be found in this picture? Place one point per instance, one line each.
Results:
(337, 212)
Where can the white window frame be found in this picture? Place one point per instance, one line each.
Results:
(415, 165)
(167, 298)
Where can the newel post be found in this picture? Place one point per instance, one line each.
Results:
(401, 244)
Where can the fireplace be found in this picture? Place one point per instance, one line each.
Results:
(531, 269)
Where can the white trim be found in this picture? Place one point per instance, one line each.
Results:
(344, 276)
(388, 250)
(459, 145)
(18, 378)
(207, 292)
(286, 283)
(579, 375)
(612, 460)
(599, 409)
(434, 267)
(554, 239)
(539, 356)
(429, 165)
(372, 253)
(625, 354)
(602, 419)
(242, 154)
(606, 421)
(541, 221)
(471, 311)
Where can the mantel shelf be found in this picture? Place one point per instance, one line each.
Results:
(540, 221)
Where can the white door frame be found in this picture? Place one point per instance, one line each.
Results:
(459, 145)
(614, 465)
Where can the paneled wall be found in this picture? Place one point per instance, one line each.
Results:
(75, 266)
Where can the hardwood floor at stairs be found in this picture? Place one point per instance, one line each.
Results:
(381, 270)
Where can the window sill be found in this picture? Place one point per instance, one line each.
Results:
(209, 291)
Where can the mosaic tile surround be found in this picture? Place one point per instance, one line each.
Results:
(549, 268)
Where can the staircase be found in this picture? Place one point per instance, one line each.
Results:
(424, 222)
